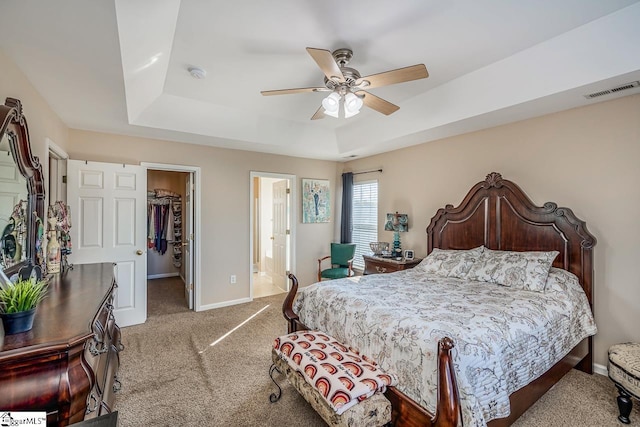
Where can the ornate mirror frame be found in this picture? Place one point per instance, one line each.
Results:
(14, 124)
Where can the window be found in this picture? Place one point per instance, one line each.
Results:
(364, 219)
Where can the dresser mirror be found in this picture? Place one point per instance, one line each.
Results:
(13, 205)
(21, 196)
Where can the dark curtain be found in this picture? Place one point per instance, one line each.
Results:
(347, 200)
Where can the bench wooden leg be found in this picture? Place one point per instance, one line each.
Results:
(624, 405)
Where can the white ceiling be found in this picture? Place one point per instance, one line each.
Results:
(121, 66)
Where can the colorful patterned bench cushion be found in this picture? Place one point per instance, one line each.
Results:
(341, 375)
(624, 366)
(372, 412)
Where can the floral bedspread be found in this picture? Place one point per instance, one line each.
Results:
(504, 338)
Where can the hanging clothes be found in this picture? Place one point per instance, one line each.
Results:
(164, 223)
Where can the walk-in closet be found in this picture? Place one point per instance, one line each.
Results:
(166, 197)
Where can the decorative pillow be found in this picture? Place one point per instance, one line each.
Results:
(450, 263)
(519, 270)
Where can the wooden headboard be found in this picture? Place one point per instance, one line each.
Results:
(496, 213)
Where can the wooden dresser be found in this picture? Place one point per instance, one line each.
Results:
(378, 265)
(67, 365)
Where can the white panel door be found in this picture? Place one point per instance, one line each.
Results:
(280, 233)
(187, 244)
(108, 212)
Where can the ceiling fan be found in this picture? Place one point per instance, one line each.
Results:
(347, 87)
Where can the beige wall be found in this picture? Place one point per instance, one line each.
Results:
(587, 159)
(225, 203)
(42, 121)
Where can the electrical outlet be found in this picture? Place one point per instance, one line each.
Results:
(232, 278)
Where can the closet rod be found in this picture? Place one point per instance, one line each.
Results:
(360, 173)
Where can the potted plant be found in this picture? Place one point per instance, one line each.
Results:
(18, 302)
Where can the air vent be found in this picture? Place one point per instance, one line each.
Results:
(616, 89)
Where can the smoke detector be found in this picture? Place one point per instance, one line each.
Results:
(197, 72)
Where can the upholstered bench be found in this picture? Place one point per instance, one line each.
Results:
(624, 371)
(309, 369)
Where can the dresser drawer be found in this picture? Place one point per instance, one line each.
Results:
(378, 267)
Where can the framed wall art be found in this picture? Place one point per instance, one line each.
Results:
(316, 200)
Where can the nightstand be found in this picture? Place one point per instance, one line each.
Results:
(377, 265)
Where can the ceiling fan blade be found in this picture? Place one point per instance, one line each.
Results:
(407, 74)
(327, 64)
(297, 90)
(319, 114)
(377, 103)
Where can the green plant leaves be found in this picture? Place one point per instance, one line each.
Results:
(22, 296)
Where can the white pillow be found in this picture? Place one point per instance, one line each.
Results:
(560, 280)
(449, 262)
(519, 270)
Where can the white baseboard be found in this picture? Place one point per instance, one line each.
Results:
(600, 369)
(223, 304)
(161, 275)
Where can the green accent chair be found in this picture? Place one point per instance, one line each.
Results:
(342, 255)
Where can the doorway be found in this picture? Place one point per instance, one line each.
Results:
(57, 177)
(172, 246)
(272, 232)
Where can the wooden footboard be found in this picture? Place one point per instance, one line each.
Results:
(405, 411)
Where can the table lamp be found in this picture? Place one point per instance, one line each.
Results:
(398, 223)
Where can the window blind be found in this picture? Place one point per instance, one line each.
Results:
(364, 219)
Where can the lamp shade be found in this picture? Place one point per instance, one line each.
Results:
(331, 104)
(352, 105)
(397, 222)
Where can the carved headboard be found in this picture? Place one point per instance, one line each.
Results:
(496, 213)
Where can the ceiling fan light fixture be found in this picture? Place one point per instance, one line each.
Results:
(348, 113)
(331, 104)
(331, 113)
(352, 104)
(344, 82)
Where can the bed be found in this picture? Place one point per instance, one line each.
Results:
(498, 216)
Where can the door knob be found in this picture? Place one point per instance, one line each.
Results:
(139, 252)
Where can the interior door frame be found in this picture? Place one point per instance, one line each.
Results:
(54, 151)
(197, 218)
(292, 217)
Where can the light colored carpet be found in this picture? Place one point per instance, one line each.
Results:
(166, 296)
(171, 375)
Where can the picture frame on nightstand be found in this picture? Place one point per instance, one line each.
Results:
(408, 254)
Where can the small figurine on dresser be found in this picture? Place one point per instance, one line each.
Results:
(53, 247)
(64, 229)
(59, 237)
(40, 256)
